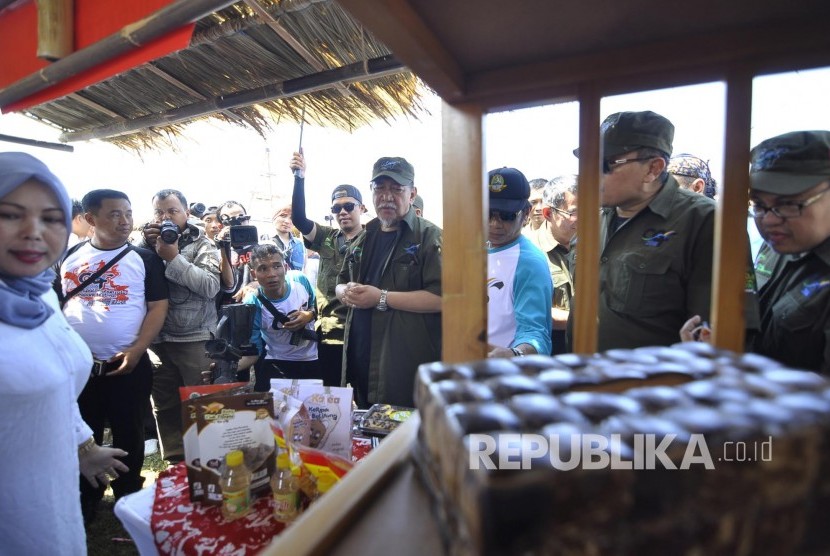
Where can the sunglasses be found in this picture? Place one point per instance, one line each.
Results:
(503, 215)
(335, 209)
(609, 166)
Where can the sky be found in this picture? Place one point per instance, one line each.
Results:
(219, 162)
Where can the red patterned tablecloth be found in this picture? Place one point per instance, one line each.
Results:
(184, 528)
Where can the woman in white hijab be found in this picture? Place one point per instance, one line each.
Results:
(44, 364)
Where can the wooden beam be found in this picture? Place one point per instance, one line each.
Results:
(464, 265)
(667, 63)
(586, 287)
(395, 23)
(731, 243)
(55, 29)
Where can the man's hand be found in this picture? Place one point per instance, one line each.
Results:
(99, 466)
(167, 251)
(249, 288)
(361, 296)
(693, 330)
(297, 162)
(126, 361)
(298, 320)
(151, 233)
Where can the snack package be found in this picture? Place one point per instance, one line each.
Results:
(330, 418)
(241, 421)
(381, 418)
(190, 434)
(282, 387)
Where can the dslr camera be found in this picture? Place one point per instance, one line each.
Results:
(169, 232)
(239, 232)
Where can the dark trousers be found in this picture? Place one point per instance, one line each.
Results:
(266, 369)
(330, 357)
(120, 401)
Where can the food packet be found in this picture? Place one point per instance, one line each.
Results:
(330, 418)
(190, 434)
(241, 421)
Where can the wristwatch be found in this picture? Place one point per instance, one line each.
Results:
(382, 306)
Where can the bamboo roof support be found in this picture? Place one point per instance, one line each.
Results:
(359, 71)
(130, 37)
(55, 29)
(34, 143)
(94, 105)
(298, 47)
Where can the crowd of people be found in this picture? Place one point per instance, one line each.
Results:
(367, 313)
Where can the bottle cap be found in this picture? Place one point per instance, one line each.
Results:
(234, 458)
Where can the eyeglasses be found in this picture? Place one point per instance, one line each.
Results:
(335, 209)
(565, 213)
(395, 188)
(503, 215)
(790, 209)
(609, 166)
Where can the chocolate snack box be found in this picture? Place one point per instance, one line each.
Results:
(681, 450)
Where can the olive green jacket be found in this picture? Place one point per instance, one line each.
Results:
(401, 340)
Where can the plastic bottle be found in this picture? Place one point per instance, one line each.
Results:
(236, 486)
(286, 491)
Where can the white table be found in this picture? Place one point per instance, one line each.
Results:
(134, 511)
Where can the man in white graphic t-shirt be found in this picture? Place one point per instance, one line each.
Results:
(117, 314)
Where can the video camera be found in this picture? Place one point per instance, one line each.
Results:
(231, 342)
(241, 234)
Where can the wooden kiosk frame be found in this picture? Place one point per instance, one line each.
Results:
(483, 56)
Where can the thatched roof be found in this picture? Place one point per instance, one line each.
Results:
(251, 64)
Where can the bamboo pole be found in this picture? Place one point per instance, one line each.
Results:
(55, 29)
(130, 37)
(359, 71)
(34, 143)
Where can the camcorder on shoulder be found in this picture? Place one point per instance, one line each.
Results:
(231, 342)
(240, 233)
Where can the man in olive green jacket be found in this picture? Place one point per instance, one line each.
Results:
(391, 282)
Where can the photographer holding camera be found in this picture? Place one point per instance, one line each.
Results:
(235, 242)
(192, 271)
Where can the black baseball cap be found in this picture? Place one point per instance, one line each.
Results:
(790, 163)
(509, 190)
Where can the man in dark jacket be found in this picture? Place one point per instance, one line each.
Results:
(391, 281)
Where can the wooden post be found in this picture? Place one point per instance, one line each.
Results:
(586, 288)
(55, 29)
(464, 272)
(731, 243)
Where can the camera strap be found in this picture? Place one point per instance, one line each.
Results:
(97, 274)
(279, 316)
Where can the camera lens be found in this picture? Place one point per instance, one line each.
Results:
(169, 232)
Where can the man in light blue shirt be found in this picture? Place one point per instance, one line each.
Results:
(519, 287)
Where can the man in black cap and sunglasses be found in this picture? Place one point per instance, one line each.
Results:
(656, 239)
(331, 244)
(519, 287)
